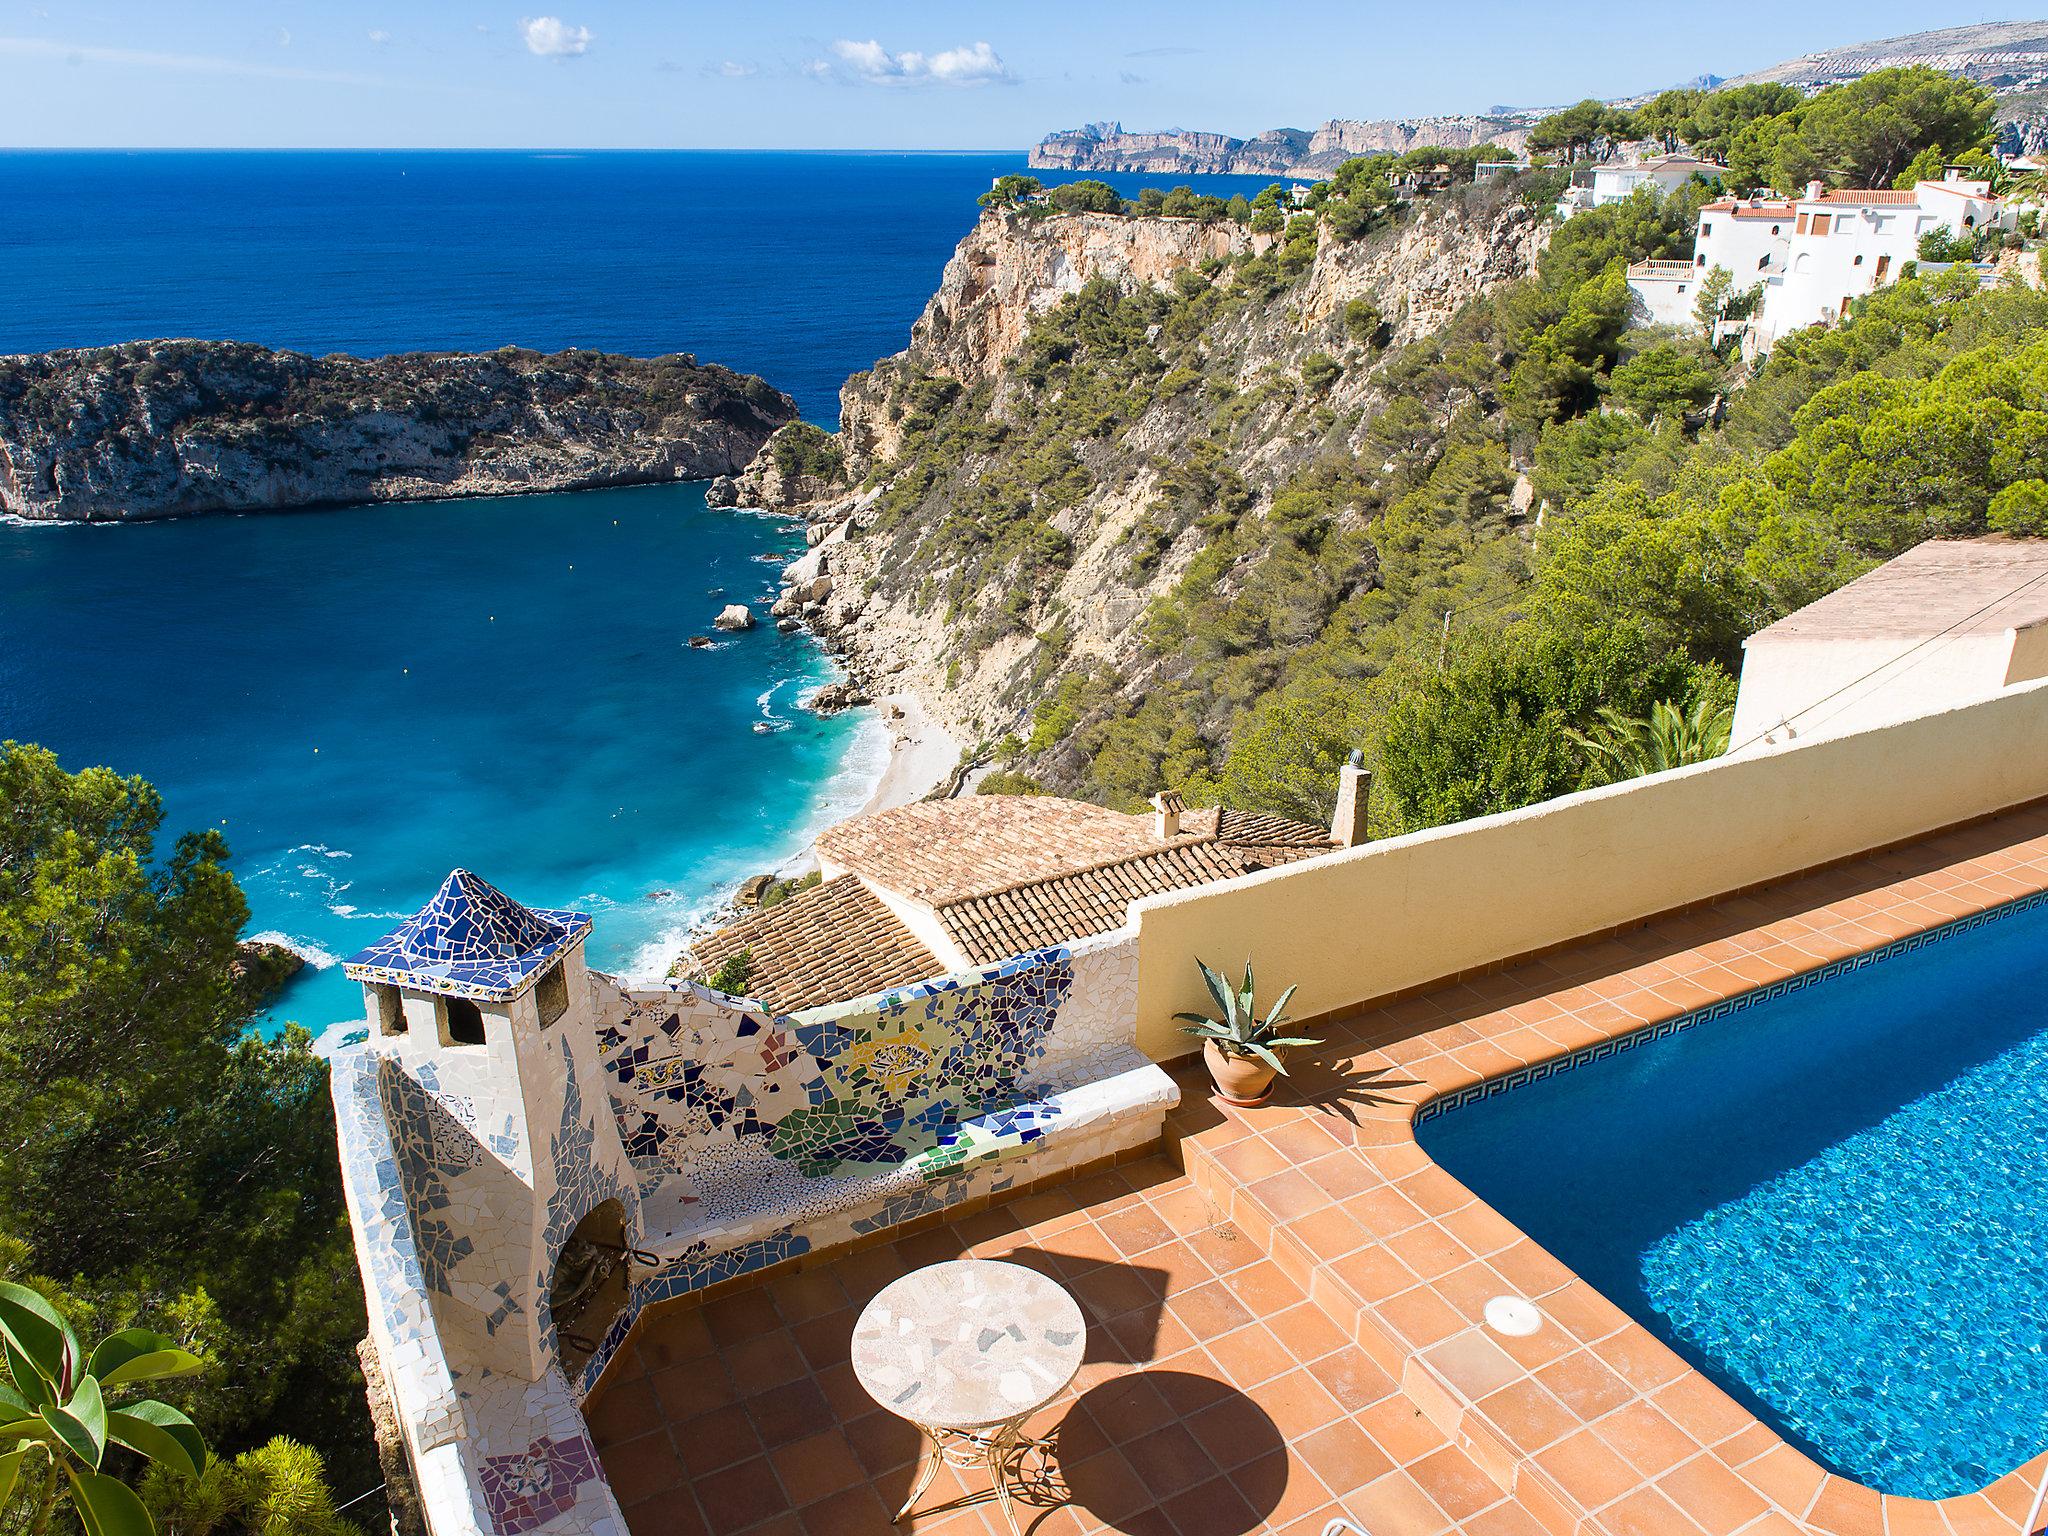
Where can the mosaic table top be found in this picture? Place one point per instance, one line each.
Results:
(968, 1343)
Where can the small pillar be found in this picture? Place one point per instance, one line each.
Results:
(1354, 789)
(1167, 807)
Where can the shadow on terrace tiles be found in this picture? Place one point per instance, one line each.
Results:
(1146, 1448)
(1328, 1083)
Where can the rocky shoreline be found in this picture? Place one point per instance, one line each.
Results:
(157, 429)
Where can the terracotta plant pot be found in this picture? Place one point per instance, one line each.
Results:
(1240, 1080)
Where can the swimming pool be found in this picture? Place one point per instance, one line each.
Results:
(1831, 1198)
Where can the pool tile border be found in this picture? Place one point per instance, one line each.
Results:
(1491, 1088)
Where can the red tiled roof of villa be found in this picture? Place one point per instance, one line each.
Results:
(1035, 914)
(825, 945)
(1874, 196)
(937, 851)
(1735, 207)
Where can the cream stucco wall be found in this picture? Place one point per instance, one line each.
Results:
(1397, 914)
(1832, 687)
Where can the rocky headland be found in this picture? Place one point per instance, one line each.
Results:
(918, 595)
(172, 428)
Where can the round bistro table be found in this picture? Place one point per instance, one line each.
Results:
(967, 1351)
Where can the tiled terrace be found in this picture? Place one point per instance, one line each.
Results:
(1284, 1304)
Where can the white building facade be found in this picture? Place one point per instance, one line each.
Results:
(1813, 256)
(1618, 183)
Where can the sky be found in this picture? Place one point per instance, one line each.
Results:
(803, 74)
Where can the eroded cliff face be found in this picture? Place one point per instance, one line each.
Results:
(172, 428)
(923, 594)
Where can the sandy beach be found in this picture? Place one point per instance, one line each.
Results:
(921, 754)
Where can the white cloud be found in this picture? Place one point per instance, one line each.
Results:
(733, 69)
(553, 38)
(869, 63)
(284, 38)
(379, 37)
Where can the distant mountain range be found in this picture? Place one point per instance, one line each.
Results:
(2010, 57)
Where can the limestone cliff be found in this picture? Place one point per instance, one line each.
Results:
(170, 428)
(1001, 525)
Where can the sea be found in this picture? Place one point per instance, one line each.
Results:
(362, 699)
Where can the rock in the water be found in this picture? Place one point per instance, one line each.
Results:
(833, 697)
(734, 616)
(261, 968)
(788, 626)
(722, 492)
(700, 642)
(785, 605)
(750, 892)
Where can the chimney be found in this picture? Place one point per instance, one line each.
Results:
(1814, 189)
(1167, 806)
(1354, 789)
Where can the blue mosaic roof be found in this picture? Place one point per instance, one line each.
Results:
(471, 940)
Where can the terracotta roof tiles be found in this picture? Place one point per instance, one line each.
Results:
(829, 944)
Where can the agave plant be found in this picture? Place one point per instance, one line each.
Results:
(58, 1403)
(1240, 1031)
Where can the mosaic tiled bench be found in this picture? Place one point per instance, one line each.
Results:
(1048, 1129)
(759, 1137)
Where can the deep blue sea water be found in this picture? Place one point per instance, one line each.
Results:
(1833, 1203)
(364, 698)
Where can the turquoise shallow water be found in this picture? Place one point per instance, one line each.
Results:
(1834, 1203)
(362, 699)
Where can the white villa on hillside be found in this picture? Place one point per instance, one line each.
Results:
(1814, 255)
(1618, 183)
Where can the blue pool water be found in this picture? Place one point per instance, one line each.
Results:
(1833, 1203)
(572, 751)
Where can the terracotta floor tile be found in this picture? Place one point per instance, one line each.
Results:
(855, 1511)
(1209, 1310)
(644, 1467)
(1645, 1438)
(623, 1410)
(740, 1495)
(881, 1442)
(1710, 1493)
(1429, 1250)
(1588, 1470)
(1455, 1482)
(694, 1387)
(1395, 1502)
(1349, 1375)
(1474, 1364)
(1297, 1403)
(788, 1413)
(1846, 1509)
(1422, 1317)
(669, 1514)
(818, 1465)
(672, 1334)
(1786, 1477)
(1584, 1384)
(741, 1315)
(1306, 1332)
(716, 1439)
(1344, 1457)
(1215, 1508)
(1646, 1512)
(1528, 1417)
(1373, 1273)
(772, 1359)
(1280, 1484)
(1136, 1230)
(1400, 1429)
(1249, 1355)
